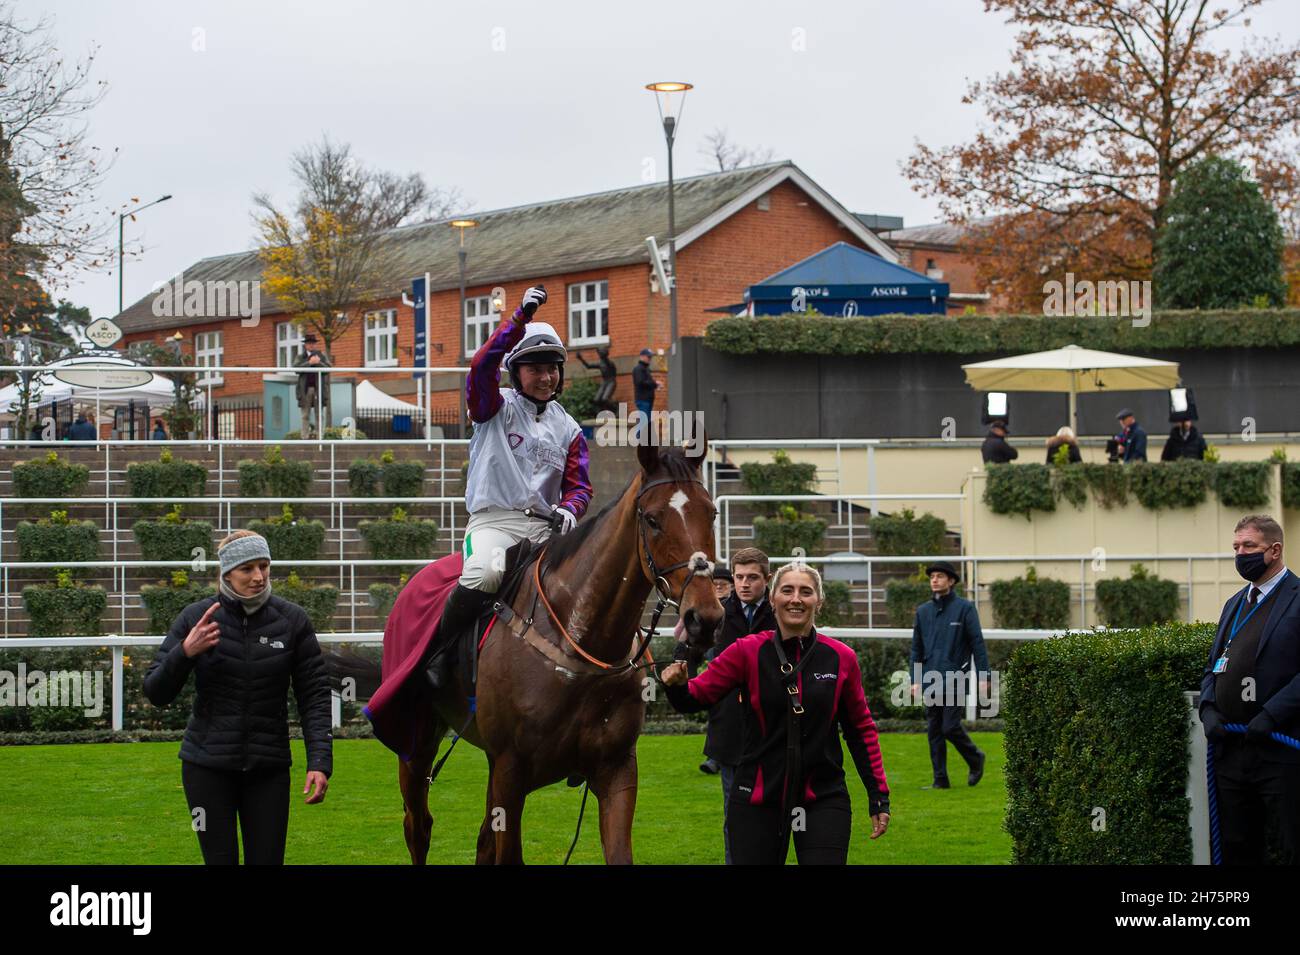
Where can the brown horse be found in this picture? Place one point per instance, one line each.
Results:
(562, 697)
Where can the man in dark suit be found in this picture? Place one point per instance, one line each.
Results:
(945, 635)
(746, 611)
(1253, 678)
(996, 449)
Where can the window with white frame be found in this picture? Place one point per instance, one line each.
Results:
(288, 344)
(207, 352)
(589, 313)
(381, 337)
(478, 323)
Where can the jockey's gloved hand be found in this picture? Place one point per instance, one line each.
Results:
(566, 516)
(534, 297)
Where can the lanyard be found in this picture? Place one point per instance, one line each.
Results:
(1236, 626)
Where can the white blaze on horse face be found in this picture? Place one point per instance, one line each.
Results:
(678, 504)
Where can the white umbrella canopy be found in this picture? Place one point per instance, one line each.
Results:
(153, 390)
(370, 398)
(1072, 370)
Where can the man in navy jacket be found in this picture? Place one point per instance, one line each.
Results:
(945, 635)
(1253, 678)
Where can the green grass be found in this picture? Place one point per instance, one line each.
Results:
(122, 803)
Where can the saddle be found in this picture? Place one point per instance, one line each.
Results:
(465, 645)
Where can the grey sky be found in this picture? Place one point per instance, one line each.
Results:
(559, 111)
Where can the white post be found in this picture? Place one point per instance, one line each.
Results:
(1198, 795)
(117, 689)
(336, 709)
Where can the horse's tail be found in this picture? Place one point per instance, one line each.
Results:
(364, 673)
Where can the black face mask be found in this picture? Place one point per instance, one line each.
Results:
(1252, 566)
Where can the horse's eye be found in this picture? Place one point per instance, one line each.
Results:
(654, 524)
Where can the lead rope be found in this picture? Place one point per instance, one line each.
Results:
(1212, 790)
(578, 831)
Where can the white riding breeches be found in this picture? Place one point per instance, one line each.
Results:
(489, 534)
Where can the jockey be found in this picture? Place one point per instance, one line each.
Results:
(526, 452)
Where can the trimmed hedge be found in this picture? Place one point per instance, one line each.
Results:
(294, 540)
(1099, 722)
(395, 538)
(905, 534)
(170, 479)
(1031, 602)
(64, 611)
(166, 601)
(1170, 484)
(1143, 600)
(781, 476)
(779, 536)
(383, 596)
(363, 478)
(837, 609)
(50, 476)
(399, 478)
(1291, 484)
(48, 541)
(273, 476)
(172, 540)
(1019, 489)
(1006, 334)
(319, 600)
(56, 719)
(902, 597)
(1163, 485)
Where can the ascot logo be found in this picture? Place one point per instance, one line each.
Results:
(103, 908)
(515, 440)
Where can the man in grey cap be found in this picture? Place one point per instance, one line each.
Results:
(1132, 440)
(945, 635)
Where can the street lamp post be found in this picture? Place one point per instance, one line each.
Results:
(121, 219)
(670, 97)
(462, 254)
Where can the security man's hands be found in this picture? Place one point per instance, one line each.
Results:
(534, 297)
(674, 674)
(1212, 721)
(1261, 727)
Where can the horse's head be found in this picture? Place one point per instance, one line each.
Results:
(675, 517)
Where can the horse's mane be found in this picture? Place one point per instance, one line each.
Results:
(673, 464)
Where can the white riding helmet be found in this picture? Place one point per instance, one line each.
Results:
(540, 345)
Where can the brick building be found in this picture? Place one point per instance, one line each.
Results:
(733, 228)
(934, 250)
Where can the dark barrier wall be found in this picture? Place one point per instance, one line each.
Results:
(909, 396)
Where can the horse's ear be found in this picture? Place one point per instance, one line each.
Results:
(648, 455)
(697, 449)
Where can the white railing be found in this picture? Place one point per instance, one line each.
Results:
(722, 524)
(117, 645)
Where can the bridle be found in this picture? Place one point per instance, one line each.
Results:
(658, 577)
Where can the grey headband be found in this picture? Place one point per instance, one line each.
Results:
(241, 550)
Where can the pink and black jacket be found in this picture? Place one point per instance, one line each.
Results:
(830, 686)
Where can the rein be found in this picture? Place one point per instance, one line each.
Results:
(658, 578)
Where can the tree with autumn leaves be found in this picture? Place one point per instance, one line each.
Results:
(321, 259)
(1107, 103)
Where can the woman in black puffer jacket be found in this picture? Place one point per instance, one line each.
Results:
(245, 647)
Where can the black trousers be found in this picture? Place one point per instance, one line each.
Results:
(1259, 803)
(260, 801)
(821, 837)
(943, 726)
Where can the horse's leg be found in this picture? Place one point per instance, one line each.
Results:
(505, 811)
(615, 787)
(486, 838)
(413, 776)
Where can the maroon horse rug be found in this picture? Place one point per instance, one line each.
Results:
(399, 710)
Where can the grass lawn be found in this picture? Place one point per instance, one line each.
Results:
(122, 803)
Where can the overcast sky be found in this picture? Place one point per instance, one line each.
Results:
(513, 102)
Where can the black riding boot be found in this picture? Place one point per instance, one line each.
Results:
(462, 610)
